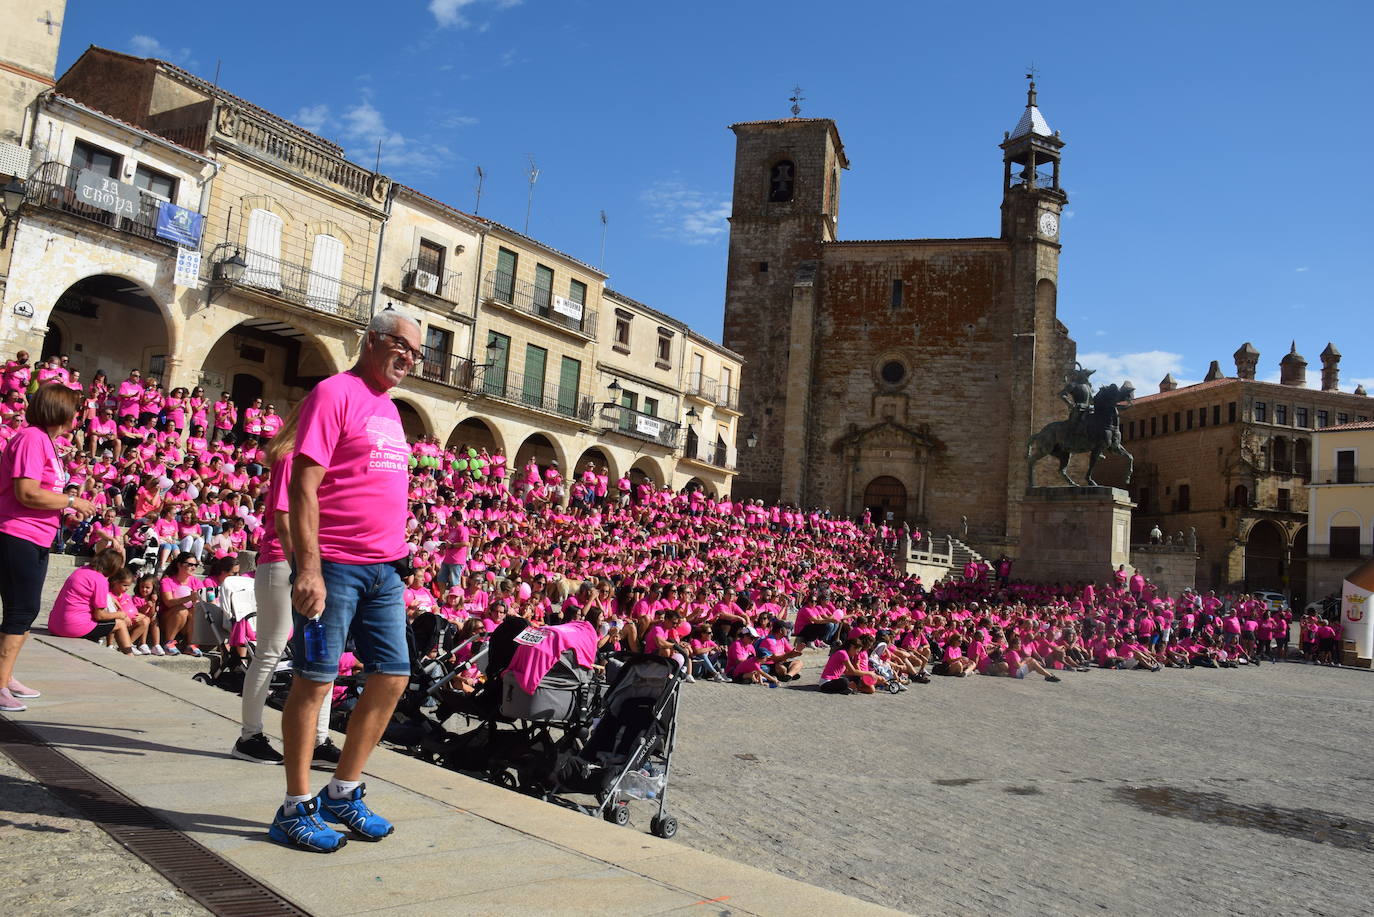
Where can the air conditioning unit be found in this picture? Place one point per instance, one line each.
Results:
(423, 281)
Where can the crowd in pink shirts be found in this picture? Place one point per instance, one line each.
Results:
(737, 590)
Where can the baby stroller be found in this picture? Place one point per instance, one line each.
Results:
(540, 685)
(227, 617)
(628, 754)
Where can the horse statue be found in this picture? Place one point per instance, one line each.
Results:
(1096, 432)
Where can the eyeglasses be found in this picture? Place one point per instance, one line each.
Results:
(401, 345)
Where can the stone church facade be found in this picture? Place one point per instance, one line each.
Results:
(900, 376)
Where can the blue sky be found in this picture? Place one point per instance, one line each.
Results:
(1219, 155)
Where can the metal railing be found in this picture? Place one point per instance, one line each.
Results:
(52, 186)
(525, 297)
(255, 134)
(1036, 179)
(536, 393)
(446, 287)
(701, 386)
(717, 454)
(446, 369)
(634, 423)
(296, 284)
(1344, 476)
(727, 396)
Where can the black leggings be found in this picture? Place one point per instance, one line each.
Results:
(836, 686)
(23, 567)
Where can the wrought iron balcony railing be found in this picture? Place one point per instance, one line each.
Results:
(625, 420)
(534, 392)
(700, 385)
(422, 276)
(296, 284)
(53, 186)
(1344, 476)
(727, 396)
(717, 454)
(504, 288)
(1035, 179)
(446, 369)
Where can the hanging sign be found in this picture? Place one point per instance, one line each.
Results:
(107, 193)
(188, 267)
(179, 224)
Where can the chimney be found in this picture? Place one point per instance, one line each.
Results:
(1214, 372)
(1247, 358)
(1168, 383)
(1331, 368)
(1293, 368)
(1359, 390)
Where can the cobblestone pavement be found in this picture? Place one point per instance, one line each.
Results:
(1185, 792)
(54, 862)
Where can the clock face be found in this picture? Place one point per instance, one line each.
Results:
(1049, 224)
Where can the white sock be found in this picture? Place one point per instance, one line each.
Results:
(338, 789)
(289, 806)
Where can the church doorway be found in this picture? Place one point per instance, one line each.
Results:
(885, 500)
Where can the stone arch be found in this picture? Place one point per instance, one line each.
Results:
(698, 484)
(289, 359)
(328, 228)
(1297, 574)
(648, 469)
(250, 202)
(544, 448)
(781, 178)
(477, 432)
(414, 419)
(119, 322)
(602, 457)
(1266, 555)
(1045, 296)
(1279, 457)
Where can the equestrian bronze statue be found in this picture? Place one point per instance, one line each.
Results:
(1092, 428)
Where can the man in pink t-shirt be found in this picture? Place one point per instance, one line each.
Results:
(348, 512)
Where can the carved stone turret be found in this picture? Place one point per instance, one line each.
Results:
(1331, 368)
(1213, 372)
(1293, 368)
(1247, 358)
(1168, 383)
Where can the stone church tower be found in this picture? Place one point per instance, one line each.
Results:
(900, 376)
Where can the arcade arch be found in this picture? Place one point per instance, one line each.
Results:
(479, 433)
(1265, 550)
(283, 362)
(117, 323)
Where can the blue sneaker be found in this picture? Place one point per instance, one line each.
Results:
(304, 829)
(354, 813)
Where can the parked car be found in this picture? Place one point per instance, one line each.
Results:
(1276, 601)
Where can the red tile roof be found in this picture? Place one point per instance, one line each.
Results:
(1341, 428)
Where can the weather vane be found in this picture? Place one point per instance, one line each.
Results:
(1031, 72)
(796, 100)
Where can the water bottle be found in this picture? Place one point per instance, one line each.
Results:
(316, 647)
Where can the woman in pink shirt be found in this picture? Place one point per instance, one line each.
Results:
(179, 591)
(83, 607)
(842, 675)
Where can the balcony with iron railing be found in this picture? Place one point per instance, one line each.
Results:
(257, 135)
(702, 387)
(620, 419)
(505, 290)
(535, 393)
(1346, 475)
(446, 369)
(716, 454)
(295, 283)
(53, 186)
(445, 284)
(727, 396)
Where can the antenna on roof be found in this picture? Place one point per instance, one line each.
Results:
(796, 100)
(601, 265)
(481, 176)
(378, 167)
(218, 62)
(529, 205)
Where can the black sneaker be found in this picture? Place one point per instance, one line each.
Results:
(256, 749)
(326, 755)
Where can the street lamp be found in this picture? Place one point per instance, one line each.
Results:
(751, 440)
(228, 273)
(13, 196)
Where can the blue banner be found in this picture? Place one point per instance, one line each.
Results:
(180, 225)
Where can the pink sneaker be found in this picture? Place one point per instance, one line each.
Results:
(18, 690)
(9, 703)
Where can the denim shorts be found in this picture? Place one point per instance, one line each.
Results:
(367, 602)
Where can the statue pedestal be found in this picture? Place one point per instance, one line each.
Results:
(1074, 533)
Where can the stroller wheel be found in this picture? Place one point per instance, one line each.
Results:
(894, 687)
(507, 777)
(664, 826)
(201, 677)
(618, 814)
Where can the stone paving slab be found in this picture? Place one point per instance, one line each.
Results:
(462, 846)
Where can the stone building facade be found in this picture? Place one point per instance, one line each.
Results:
(1340, 508)
(525, 349)
(1231, 457)
(28, 57)
(900, 376)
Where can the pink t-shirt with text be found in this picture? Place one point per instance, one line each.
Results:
(30, 454)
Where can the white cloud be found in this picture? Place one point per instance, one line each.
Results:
(1348, 385)
(365, 126)
(680, 212)
(312, 117)
(1301, 270)
(148, 46)
(1143, 369)
(454, 14)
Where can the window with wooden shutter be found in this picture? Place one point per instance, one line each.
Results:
(326, 270)
(264, 250)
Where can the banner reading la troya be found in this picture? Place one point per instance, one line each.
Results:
(1357, 609)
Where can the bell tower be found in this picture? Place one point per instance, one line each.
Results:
(1032, 196)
